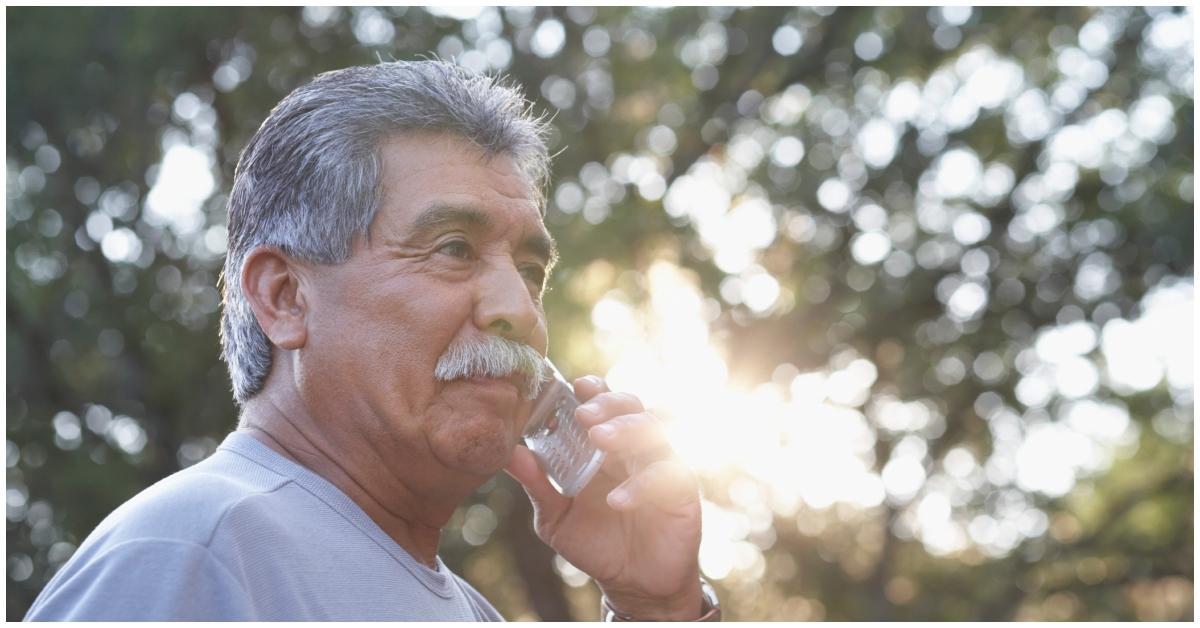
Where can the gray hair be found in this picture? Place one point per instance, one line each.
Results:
(308, 181)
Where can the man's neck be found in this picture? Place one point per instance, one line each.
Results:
(413, 518)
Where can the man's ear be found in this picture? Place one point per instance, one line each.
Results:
(272, 286)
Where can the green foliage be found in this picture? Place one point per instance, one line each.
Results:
(943, 285)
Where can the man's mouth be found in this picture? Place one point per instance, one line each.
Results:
(525, 386)
(504, 385)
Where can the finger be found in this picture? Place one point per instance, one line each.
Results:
(616, 469)
(666, 484)
(548, 504)
(607, 405)
(636, 436)
(589, 386)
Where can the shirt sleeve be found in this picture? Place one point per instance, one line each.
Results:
(145, 579)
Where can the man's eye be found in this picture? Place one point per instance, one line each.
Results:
(536, 274)
(456, 248)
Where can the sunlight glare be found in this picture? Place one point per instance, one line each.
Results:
(184, 182)
(801, 447)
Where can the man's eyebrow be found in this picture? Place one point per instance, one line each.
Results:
(439, 215)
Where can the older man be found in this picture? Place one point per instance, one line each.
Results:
(383, 329)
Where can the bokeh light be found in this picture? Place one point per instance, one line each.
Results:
(911, 288)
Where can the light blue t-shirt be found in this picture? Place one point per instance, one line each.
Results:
(249, 535)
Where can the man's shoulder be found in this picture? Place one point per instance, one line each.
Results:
(190, 504)
(162, 541)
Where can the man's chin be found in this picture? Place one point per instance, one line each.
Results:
(480, 454)
(476, 433)
(484, 465)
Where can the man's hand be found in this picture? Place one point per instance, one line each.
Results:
(635, 528)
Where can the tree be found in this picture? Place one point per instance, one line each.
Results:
(876, 267)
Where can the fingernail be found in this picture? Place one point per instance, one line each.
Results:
(603, 432)
(590, 410)
(594, 380)
(618, 497)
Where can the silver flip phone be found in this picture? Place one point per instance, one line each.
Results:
(558, 441)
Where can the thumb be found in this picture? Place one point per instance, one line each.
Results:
(548, 504)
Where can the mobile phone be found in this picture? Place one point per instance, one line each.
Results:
(558, 441)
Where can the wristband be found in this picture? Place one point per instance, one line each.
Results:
(710, 608)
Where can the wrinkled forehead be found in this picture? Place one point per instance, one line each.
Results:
(436, 181)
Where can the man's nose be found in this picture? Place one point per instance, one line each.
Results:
(505, 306)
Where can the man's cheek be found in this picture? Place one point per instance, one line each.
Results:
(463, 432)
(521, 419)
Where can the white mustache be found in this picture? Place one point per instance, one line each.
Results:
(492, 356)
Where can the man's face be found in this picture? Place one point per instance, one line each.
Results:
(457, 250)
